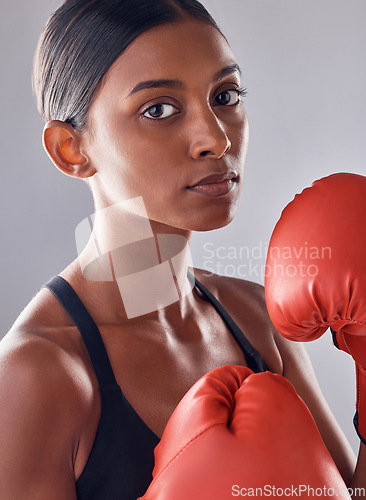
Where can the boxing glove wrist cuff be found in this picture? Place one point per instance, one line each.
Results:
(355, 423)
(359, 419)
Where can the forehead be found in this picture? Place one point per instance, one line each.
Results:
(186, 50)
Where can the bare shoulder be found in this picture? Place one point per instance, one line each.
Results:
(38, 377)
(43, 342)
(35, 362)
(248, 298)
(245, 302)
(43, 372)
(43, 346)
(49, 402)
(238, 292)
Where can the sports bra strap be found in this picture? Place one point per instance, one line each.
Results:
(253, 357)
(66, 295)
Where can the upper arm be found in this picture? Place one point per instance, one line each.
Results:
(297, 368)
(38, 434)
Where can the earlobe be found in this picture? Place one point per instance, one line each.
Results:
(62, 144)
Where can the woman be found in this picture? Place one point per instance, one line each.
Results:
(142, 101)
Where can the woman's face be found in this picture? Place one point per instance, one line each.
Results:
(168, 115)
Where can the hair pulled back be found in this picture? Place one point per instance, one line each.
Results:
(81, 41)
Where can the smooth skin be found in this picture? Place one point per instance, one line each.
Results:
(150, 142)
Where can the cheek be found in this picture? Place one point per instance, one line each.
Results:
(158, 151)
(237, 126)
(146, 143)
(239, 136)
(147, 167)
(245, 136)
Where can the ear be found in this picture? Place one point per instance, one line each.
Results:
(62, 144)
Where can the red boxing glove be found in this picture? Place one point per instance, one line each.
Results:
(236, 431)
(316, 271)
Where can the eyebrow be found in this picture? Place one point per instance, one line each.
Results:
(179, 85)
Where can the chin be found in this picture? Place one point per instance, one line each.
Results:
(198, 220)
(215, 221)
(211, 227)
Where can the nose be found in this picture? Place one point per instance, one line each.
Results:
(208, 136)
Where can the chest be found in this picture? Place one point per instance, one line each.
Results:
(155, 365)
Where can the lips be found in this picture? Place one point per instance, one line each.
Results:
(216, 178)
(216, 185)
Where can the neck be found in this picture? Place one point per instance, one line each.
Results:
(146, 261)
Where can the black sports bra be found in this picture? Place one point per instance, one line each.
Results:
(121, 461)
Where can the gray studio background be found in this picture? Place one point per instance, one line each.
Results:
(305, 68)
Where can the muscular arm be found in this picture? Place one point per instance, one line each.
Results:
(297, 368)
(37, 423)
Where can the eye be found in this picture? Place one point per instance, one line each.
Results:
(230, 97)
(159, 111)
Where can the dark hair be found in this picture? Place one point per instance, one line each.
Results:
(81, 41)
